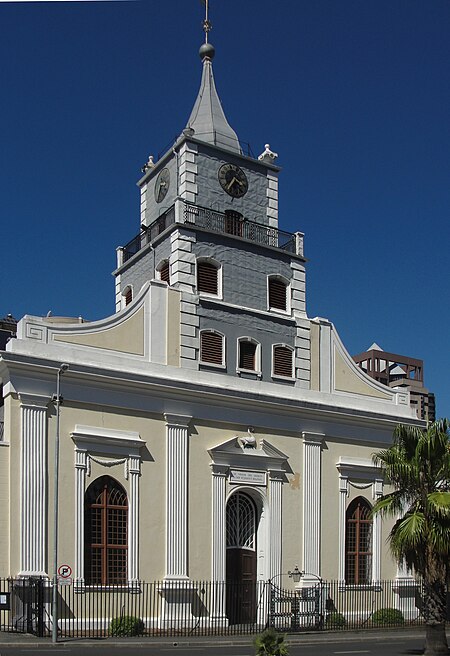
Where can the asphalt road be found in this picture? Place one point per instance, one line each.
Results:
(388, 645)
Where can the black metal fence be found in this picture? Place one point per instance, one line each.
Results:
(229, 223)
(185, 608)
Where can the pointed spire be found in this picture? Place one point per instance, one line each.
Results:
(207, 118)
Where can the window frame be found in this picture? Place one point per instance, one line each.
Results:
(218, 267)
(257, 370)
(127, 290)
(162, 265)
(106, 548)
(287, 283)
(359, 579)
(292, 350)
(216, 365)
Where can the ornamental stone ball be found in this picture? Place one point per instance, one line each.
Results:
(207, 50)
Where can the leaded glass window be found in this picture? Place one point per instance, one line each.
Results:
(241, 522)
(106, 534)
(358, 543)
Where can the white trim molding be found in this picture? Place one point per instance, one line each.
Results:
(33, 484)
(359, 473)
(108, 442)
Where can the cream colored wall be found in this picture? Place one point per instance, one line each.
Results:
(204, 437)
(151, 482)
(126, 337)
(173, 327)
(331, 453)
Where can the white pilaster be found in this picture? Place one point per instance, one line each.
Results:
(218, 569)
(134, 470)
(219, 477)
(80, 483)
(177, 442)
(276, 482)
(33, 485)
(376, 535)
(343, 494)
(312, 483)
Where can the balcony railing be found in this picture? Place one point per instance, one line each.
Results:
(228, 223)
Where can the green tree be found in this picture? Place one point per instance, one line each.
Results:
(418, 467)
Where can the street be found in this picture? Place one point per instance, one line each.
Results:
(382, 645)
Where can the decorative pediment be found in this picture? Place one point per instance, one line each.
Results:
(263, 457)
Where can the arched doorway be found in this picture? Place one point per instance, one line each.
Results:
(241, 522)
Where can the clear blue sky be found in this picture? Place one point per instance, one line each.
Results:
(354, 95)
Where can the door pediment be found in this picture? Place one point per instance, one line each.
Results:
(265, 457)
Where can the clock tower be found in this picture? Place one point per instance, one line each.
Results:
(209, 231)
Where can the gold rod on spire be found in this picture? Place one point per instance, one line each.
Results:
(207, 27)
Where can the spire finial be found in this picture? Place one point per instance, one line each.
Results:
(207, 27)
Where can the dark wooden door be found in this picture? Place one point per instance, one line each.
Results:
(241, 586)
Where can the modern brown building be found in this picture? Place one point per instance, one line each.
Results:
(399, 371)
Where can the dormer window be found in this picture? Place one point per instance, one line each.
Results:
(282, 363)
(164, 271)
(277, 293)
(208, 277)
(249, 355)
(212, 350)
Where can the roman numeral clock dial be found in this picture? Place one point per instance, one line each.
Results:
(233, 180)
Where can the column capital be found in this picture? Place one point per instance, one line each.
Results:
(34, 400)
(181, 421)
(219, 470)
(313, 438)
(277, 475)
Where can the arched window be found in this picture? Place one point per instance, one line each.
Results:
(358, 542)
(164, 271)
(282, 361)
(208, 279)
(106, 534)
(212, 347)
(241, 522)
(277, 293)
(249, 355)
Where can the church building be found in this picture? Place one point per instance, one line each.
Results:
(209, 429)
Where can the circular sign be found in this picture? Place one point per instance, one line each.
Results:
(64, 571)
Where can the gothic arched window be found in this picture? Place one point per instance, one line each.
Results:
(105, 531)
(358, 542)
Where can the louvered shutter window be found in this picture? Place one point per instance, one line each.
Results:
(164, 273)
(207, 278)
(128, 296)
(282, 361)
(211, 347)
(247, 356)
(277, 294)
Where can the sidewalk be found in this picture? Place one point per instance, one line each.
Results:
(13, 639)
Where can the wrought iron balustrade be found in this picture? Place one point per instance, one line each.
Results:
(226, 223)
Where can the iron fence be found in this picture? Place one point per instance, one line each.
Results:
(185, 608)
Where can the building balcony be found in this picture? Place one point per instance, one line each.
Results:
(227, 223)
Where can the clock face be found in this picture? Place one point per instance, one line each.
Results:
(162, 185)
(233, 180)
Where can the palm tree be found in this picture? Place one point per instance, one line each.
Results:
(418, 467)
